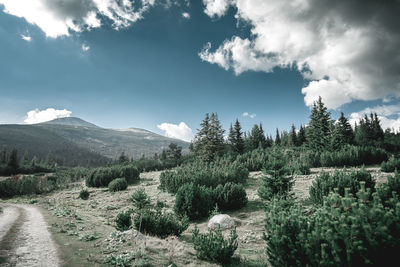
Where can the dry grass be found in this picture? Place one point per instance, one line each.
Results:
(74, 220)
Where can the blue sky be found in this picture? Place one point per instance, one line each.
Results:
(156, 69)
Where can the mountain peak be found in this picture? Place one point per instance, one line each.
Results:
(71, 121)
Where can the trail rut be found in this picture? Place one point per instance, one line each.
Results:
(24, 237)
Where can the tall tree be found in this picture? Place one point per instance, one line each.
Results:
(174, 152)
(342, 133)
(209, 141)
(293, 136)
(319, 127)
(257, 137)
(301, 136)
(13, 160)
(236, 137)
(277, 137)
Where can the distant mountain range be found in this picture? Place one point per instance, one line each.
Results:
(73, 141)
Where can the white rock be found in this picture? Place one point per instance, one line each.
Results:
(223, 221)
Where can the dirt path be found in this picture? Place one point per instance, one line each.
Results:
(24, 237)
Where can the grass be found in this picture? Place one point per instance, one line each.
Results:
(86, 234)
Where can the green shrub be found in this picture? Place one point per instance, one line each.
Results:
(253, 160)
(214, 247)
(326, 183)
(211, 174)
(27, 185)
(277, 179)
(84, 194)
(194, 201)
(391, 165)
(344, 231)
(101, 177)
(386, 190)
(230, 196)
(140, 199)
(353, 156)
(123, 221)
(160, 224)
(118, 184)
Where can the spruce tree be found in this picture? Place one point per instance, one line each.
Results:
(257, 137)
(209, 141)
(301, 136)
(293, 136)
(236, 137)
(277, 137)
(13, 160)
(319, 127)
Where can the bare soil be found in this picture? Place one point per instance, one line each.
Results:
(24, 237)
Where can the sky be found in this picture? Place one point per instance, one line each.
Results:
(162, 64)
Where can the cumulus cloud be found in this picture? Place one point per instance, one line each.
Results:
(186, 15)
(85, 47)
(216, 8)
(38, 116)
(26, 38)
(389, 116)
(346, 49)
(180, 131)
(246, 114)
(61, 17)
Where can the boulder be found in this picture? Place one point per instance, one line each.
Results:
(223, 221)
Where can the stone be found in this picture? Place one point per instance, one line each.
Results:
(223, 221)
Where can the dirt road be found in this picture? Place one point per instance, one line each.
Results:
(24, 238)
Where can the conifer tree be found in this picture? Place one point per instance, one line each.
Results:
(301, 136)
(257, 137)
(236, 137)
(13, 160)
(342, 133)
(209, 141)
(319, 127)
(277, 137)
(293, 136)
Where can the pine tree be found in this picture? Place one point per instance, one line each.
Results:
(209, 141)
(319, 127)
(301, 136)
(257, 137)
(293, 136)
(277, 137)
(13, 160)
(236, 137)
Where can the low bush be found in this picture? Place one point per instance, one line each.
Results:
(391, 165)
(344, 231)
(386, 190)
(326, 183)
(84, 194)
(212, 174)
(213, 246)
(352, 156)
(118, 184)
(253, 160)
(123, 221)
(194, 201)
(160, 224)
(101, 177)
(277, 179)
(197, 202)
(27, 185)
(140, 199)
(230, 196)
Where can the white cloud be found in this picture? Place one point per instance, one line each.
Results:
(389, 115)
(216, 8)
(347, 49)
(61, 17)
(246, 114)
(85, 47)
(26, 38)
(180, 131)
(186, 15)
(38, 116)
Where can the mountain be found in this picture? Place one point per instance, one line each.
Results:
(70, 121)
(70, 138)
